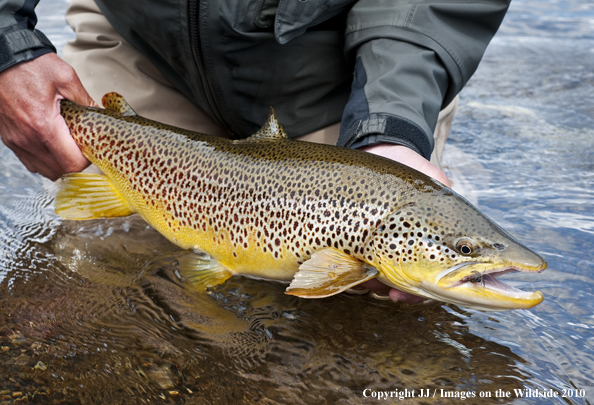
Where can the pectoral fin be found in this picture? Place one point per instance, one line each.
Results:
(202, 271)
(115, 102)
(329, 272)
(89, 196)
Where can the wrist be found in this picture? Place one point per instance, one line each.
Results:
(18, 45)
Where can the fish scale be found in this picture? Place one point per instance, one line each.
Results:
(267, 205)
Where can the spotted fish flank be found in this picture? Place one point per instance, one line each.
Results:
(264, 206)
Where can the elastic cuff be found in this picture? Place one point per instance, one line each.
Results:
(387, 129)
(371, 140)
(18, 45)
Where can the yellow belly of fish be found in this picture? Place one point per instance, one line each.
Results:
(251, 261)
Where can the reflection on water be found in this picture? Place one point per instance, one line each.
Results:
(108, 318)
(96, 312)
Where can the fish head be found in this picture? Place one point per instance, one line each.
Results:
(445, 249)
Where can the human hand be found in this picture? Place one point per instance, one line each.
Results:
(30, 121)
(408, 157)
(412, 159)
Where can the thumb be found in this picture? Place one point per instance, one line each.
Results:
(74, 91)
(69, 86)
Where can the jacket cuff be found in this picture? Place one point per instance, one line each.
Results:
(380, 128)
(19, 45)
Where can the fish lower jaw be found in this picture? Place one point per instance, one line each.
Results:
(483, 291)
(486, 300)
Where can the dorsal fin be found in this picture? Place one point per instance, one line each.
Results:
(271, 130)
(115, 102)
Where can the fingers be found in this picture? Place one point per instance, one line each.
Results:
(44, 164)
(30, 121)
(52, 156)
(62, 154)
(71, 88)
(382, 290)
(401, 296)
(377, 287)
(65, 150)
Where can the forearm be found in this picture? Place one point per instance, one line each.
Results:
(395, 98)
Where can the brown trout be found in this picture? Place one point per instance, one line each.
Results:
(322, 217)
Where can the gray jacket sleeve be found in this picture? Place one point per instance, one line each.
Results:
(411, 59)
(19, 40)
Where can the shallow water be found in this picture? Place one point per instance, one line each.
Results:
(95, 312)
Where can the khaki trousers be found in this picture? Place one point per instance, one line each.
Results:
(105, 62)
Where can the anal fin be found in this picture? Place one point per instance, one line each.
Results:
(89, 196)
(202, 271)
(329, 272)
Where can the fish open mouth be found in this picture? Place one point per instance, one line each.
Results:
(477, 285)
(489, 279)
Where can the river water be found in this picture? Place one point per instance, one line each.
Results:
(94, 312)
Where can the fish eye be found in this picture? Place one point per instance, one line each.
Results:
(465, 246)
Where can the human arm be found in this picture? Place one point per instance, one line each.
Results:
(30, 121)
(33, 79)
(410, 60)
